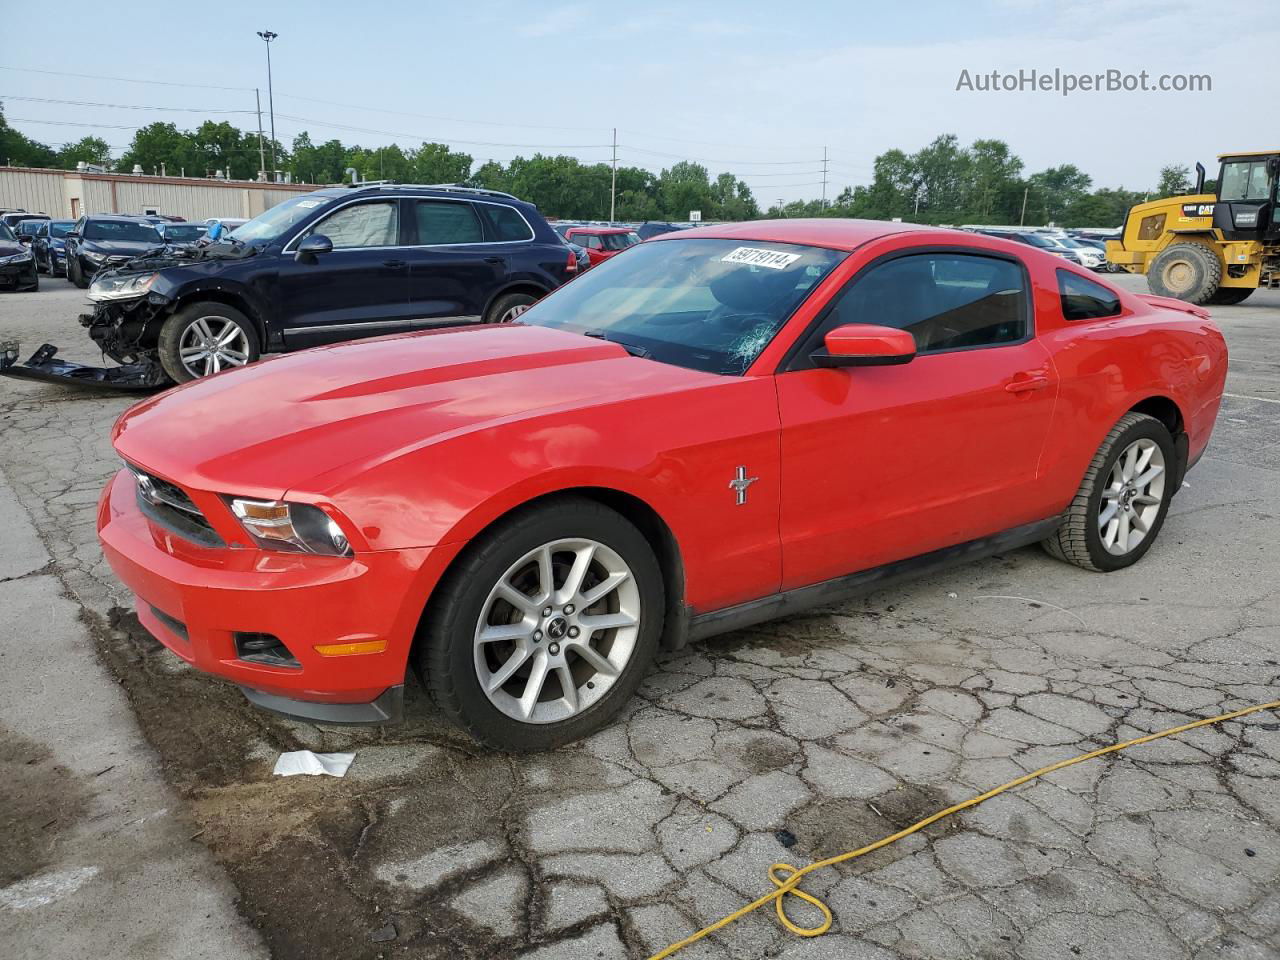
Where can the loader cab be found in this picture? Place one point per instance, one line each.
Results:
(1246, 207)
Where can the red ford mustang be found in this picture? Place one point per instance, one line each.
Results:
(717, 427)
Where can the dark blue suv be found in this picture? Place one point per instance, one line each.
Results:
(335, 264)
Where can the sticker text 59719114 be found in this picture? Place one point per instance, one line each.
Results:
(757, 257)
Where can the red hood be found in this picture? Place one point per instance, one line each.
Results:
(271, 427)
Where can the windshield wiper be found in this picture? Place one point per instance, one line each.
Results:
(631, 348)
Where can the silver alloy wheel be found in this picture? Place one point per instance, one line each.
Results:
(1132, 498)
(211, 344)
(557, 630)
(514, 312)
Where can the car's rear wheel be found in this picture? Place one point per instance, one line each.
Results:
(507, 309)
(206, 338)
(1122, 502)
(545, 627)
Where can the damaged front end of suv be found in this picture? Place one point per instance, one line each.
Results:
(131, 305)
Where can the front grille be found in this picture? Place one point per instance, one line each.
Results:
(170, 506)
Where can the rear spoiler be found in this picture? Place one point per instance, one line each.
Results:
(1169, 303)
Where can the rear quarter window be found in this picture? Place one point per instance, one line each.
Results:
(1082, 299)
(505, 223)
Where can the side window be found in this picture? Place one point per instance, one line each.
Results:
(945, 300)
(1082, 299)
(374, 224)
(443, 221)
(588, 240)
(506, 223)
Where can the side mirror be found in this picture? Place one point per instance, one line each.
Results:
(865, 345)
(315, 244)
(73, 234)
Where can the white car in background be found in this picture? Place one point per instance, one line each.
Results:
(1091, 257)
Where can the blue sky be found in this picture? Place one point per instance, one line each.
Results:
(756, 88)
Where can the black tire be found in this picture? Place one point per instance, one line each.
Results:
(1186, 271)
(1079, 539)
(1226, 296)
(505, 304)
(172, 332)
(39, 269)
(445, 649)
(75, 273)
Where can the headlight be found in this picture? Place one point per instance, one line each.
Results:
(93, 257)
(294, 527)
(18, 258)
(121, 287)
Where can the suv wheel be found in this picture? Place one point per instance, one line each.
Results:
(508, 308)
(1122, 502)
(206, 338)
(545, 628)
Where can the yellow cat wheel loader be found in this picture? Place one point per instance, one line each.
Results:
(1214, 248)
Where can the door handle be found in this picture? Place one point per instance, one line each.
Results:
(495, 260)
(1025, 382)
(394, 263)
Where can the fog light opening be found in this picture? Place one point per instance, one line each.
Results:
(264, 648)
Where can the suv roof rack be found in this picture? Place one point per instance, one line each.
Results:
(446, 187)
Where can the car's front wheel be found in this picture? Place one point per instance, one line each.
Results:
(75, 272)
(545, 627)
(206, 338)
(1122, 502)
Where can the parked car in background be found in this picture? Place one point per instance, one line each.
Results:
(11, 220)
(602, 243)
(182, 235)
(49, 246)
(1090, 257)
(529, 512)
(1035, 239)
(655, 228)
(327, 266)
(17, 263)
(1101, 247)
(584, 259)
(102, 241)
(27, 230)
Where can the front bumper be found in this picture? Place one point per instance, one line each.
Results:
(196, 600)
(18, 276)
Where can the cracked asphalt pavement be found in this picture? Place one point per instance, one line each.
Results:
(788, 742)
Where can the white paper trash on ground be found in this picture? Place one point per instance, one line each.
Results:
(304, 761)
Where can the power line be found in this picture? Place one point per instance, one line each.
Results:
(447, 140)
(769, 163)
(94, 76)
(118, 106)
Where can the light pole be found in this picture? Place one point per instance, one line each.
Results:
(268, 36)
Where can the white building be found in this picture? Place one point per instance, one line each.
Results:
(66, 194)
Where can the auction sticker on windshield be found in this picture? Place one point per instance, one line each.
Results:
(756, 257)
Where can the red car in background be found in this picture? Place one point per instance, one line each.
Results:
(601, 243)
(728, 424)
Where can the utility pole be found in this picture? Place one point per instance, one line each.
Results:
(1022, 218)
(613, 184)
(781, 212)
(262, 156)
(268, 36)
(824, 178)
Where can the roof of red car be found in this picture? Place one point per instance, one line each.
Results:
(830, 232)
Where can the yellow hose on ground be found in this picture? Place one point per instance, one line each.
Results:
(786, 878)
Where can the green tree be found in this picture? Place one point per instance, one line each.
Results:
(1175, 181)
(85, 150)
(1053, 191)
(18, 150)
(163, 143)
